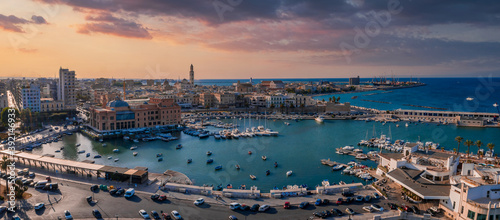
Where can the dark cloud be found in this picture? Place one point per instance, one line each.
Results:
(12, 23)
(108, 24)
(38, 19)
(15, 24)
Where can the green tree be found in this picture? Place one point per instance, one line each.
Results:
(271, 106)
(5, 115)
(338, 99)
(468, 143)
(479, 143)
(459, 140)
(490, 146)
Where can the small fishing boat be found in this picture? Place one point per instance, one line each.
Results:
(78, 145)
(179, 146)
(57, 151)
(133, 147)
(253, 177)
(160, 159)
(237, 166)
(337, 167)
(406, 125)
(217, 137)
(104, 145)
(275, 164)
(101, 140)
(110, 157)
(264, 158)
(159, 155)
(116, 150)
(361, 157)
(319, 119)
(116, 160)
(218, 167)
(210, 160)
(268, 172)
(189, 160)
(136, 141)
(289, 173)
(97, 156)
(135, 153)
(209, 153)
(249, 152)
(325, 183)
(287, 123)
(88, 154)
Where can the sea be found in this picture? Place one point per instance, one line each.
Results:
(300, 146)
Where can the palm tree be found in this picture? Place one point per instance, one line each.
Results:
(468, 143)
(459, 140)
(490, 146)
(478, 144)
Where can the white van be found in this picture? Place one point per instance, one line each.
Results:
(234, 206)
(129, 193)
(40, 184)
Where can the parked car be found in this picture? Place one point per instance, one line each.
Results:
(255, 207)
(325, 202)
(199, 201)
(155, 215)
(337, 212)
(166, 216)
(113, 191)
(349, 200)
(415, 209)
(31, 175)
(155, 197)
(234, 206)
(349, 211)
(232, 217)
(176, 215)
(406, 208)
(392, 206)
(430, 212)
(39, 206)
(143, 214)
(377, 207)
(368, 208)
(89, 199)
(94, 187)
(318, 202)
(162, 198)
(120, 192)
(244, 207)
(318, 214)
(264, 208)
(67, 215)
(303, 205)
(129, 193)
(286, 205)
(339, 201)
(359, 198)
(347, 194)
(368, 198)
(326, 214)
(96, 214)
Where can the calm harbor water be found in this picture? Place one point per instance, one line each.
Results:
(299, 147)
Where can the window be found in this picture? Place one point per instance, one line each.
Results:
(471, 214)
(481, 217)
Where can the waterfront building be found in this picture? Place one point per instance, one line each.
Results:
(273, 84)
(354, 81)
(463, 118)
(474, 194)
(258, 101)
(224, 99)
(51, 105)
(274, 100)
(29, 97)
(207, 99)
(66, 88)
(118, 115)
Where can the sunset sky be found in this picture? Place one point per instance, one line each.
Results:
(249, 38)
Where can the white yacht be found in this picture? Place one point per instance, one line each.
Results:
(133, 147)
(289, 173)
(319, 119)
(350, 148)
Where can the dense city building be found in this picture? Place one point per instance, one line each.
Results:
(66, 88)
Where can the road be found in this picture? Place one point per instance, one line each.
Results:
(71, 196)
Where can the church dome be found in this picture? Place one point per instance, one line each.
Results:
(117, 103)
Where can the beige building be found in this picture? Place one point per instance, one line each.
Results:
(224, 99)
(66, 88)
(51, 105)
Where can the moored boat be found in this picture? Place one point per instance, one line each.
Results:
(133, 147)
(135, 153)
(159, 155)
(116, 150)
(116, 160)
(209, 153)
(179, 146)
(319, 119)
(237, 166)
(253, 177)
(264, 158)
(289, 173)
(189, 160)
(218, 167)
(337, 167)
(210, 160)
(160, 159)
(268, 172)
(97, 156)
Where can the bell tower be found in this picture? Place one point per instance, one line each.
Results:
(191, 75)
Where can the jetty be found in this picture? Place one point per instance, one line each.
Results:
(331, 163)
(352, 153)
